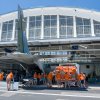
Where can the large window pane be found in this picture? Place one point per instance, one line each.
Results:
(83, 27)
(50, 26)
(47, 32)
(53, 17)
(46, 23)
(54, 32)
(96, 28)
(34, 27)
(66, 26)
(7, 30)
(53, 23)
(32, 24)
(63, 31)
(32, 18)
(79, 30)
(86, 21)
(37, 33)
(38, 18)
(69, 31)
(32, 33)
(47, 17)
(87, 30)
(79, 21)
(4, 27)
(10, 27)
(38, 24)
(70, 21)
(63, 22)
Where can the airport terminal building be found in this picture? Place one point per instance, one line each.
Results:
(73, 32)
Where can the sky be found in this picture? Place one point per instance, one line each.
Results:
(11, 5)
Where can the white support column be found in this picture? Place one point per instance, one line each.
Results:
(58, 26)
(74, 26)
(13, 32)
(0, 30)
(27, 28)
(92, 28)
(42, 27)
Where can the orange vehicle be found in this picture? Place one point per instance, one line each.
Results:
(69, 68)
(69, 72)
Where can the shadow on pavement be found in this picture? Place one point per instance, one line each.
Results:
(54, 88)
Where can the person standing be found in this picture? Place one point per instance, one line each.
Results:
(58, 78)
(45, 77)
(8, 80)
(50, 77)
(1, 76)
(67, 79)
(81, 80)
(35, 76)
(39, 78)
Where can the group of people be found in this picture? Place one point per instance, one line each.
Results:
(67, 79)
(39, 78)
(58, 77)
(9, 78)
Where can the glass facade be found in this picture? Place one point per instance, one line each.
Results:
(83, 27)
(50, 27)
(7, 30)
(96, 28)
(65, 26)
(35, 27)
(49, 23)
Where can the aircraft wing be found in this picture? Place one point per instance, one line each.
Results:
(28, 59)
(8, 60)
(18, 58)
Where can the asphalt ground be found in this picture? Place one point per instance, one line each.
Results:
(42, 93)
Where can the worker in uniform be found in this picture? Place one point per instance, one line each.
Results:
(49, 78)
(81, 80)
(45, 76)
(35, 78)
(58, 78)
(67, 79)
(1, 76)
(39, 78)
(8, 80)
